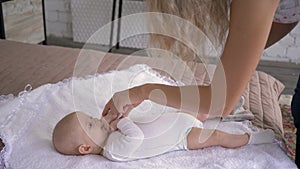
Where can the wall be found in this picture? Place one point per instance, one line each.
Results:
(23, 21)
(59, 24)
(58, 18)
(287, 49)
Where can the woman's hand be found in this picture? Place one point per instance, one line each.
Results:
(124, 101)
(112, 121)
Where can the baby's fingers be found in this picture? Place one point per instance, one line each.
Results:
(113, 124)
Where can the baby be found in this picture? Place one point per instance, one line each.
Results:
(80, 134)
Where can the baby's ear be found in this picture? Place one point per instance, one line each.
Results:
(85, 149)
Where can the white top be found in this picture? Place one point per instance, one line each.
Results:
(288, 11)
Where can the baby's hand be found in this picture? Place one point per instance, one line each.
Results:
(112, 120)
(113, 124)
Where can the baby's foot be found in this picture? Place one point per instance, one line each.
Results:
(261, 137)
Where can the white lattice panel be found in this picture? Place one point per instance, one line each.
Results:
(92, 15)
(139, 40)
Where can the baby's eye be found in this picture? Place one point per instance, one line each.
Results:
(90, 125)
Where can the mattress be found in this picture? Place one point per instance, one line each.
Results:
(23, 64)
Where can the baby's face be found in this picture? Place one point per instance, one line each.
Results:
(96, 129)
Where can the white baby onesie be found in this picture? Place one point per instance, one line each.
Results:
(136, 140)
(147, 136)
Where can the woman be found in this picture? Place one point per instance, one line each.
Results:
(252, 26)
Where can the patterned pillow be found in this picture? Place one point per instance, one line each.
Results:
(262, 98)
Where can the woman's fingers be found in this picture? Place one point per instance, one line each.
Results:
(106, 108)
(121, 103)
(110, 117)
(114, 110)
(127, 109)
(113, 124)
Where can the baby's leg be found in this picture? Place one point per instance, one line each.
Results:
(217, 138)
(220, 138)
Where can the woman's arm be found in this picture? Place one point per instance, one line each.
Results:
(193, 100)
(250, 24)
(190, 99)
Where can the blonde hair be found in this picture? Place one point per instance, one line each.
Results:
(210, 16)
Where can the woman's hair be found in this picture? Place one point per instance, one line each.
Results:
(210, 16)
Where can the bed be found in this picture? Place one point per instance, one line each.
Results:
(50, 67)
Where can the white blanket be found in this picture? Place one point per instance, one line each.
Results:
(27, 121)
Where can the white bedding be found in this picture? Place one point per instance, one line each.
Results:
(27, 121)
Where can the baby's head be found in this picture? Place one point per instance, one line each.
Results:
(80, 134)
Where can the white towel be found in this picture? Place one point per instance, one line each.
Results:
(26, 125)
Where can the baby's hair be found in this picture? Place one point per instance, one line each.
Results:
(210, 16)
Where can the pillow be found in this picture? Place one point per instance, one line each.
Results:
(261, 97)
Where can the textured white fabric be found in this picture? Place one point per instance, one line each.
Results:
(265, 136)
(27, 122)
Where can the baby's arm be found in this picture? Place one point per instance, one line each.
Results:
(121, 145)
